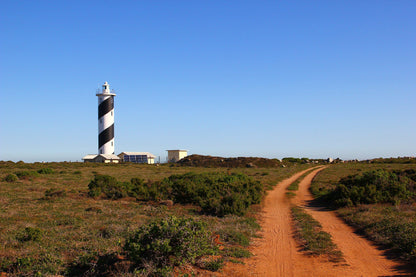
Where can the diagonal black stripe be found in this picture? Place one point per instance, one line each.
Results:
(106, 106)
(105, 136)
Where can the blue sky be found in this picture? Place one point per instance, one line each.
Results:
(229, 78)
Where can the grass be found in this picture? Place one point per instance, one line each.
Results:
(290, 194)
(295, 185)
(393, 226)
(311, 237)
(77, 231)
(308, 231)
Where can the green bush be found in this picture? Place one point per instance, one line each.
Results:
(148, 191)
(168, 242)
(95, 264)
(10, 178)
(379, 186)
(107, 185)
(216, 193)
(45, 171)
(26, 174)
(29, 234)
(112, 189)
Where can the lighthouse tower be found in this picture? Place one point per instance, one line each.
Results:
(106, 120)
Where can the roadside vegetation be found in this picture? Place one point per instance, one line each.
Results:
(309, 234)
(76, 219)
(216, 194)
(295, 185)
(377, 198)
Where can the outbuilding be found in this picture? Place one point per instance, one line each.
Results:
(137, 157)
(176, 155)
(102, 158)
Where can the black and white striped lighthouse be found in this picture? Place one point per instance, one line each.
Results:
(106, 120)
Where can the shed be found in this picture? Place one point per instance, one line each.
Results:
(176, 155)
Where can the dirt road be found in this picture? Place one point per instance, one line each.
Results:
(276, 253)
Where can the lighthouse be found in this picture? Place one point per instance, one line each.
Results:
(106, 120)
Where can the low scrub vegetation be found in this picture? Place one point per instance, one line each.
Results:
(10, 178)
(217, 194)
(379, 202)
(78, 225)
(26, 175)
(45, 171)
(391, 226)
(29, 234)
(372, 187)
(159, 246)
(295, 185)
(310, 235)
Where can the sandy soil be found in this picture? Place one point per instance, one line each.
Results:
(277, 254)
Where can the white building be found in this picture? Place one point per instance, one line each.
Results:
(176, 155)
(137, 157)
(101, 158)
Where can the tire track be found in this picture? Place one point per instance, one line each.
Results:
(277, 254)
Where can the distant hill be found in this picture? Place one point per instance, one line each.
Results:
(211, 161)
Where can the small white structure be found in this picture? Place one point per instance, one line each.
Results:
(176, 155)
(89, 158)
(137, 157)
(101, 158)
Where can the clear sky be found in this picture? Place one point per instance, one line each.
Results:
(273, 79)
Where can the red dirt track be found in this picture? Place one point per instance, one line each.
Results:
(276, 253)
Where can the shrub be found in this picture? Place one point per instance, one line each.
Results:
(10, 178)
(94, 264)
(45, 171)
(29, 234)
(379, 186)
(26, 175)
(148, 191)
(236, 237)
(216, 193)
(112, 189)
(169, 242)
(108, 185)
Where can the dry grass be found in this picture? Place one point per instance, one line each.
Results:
(74, 226)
